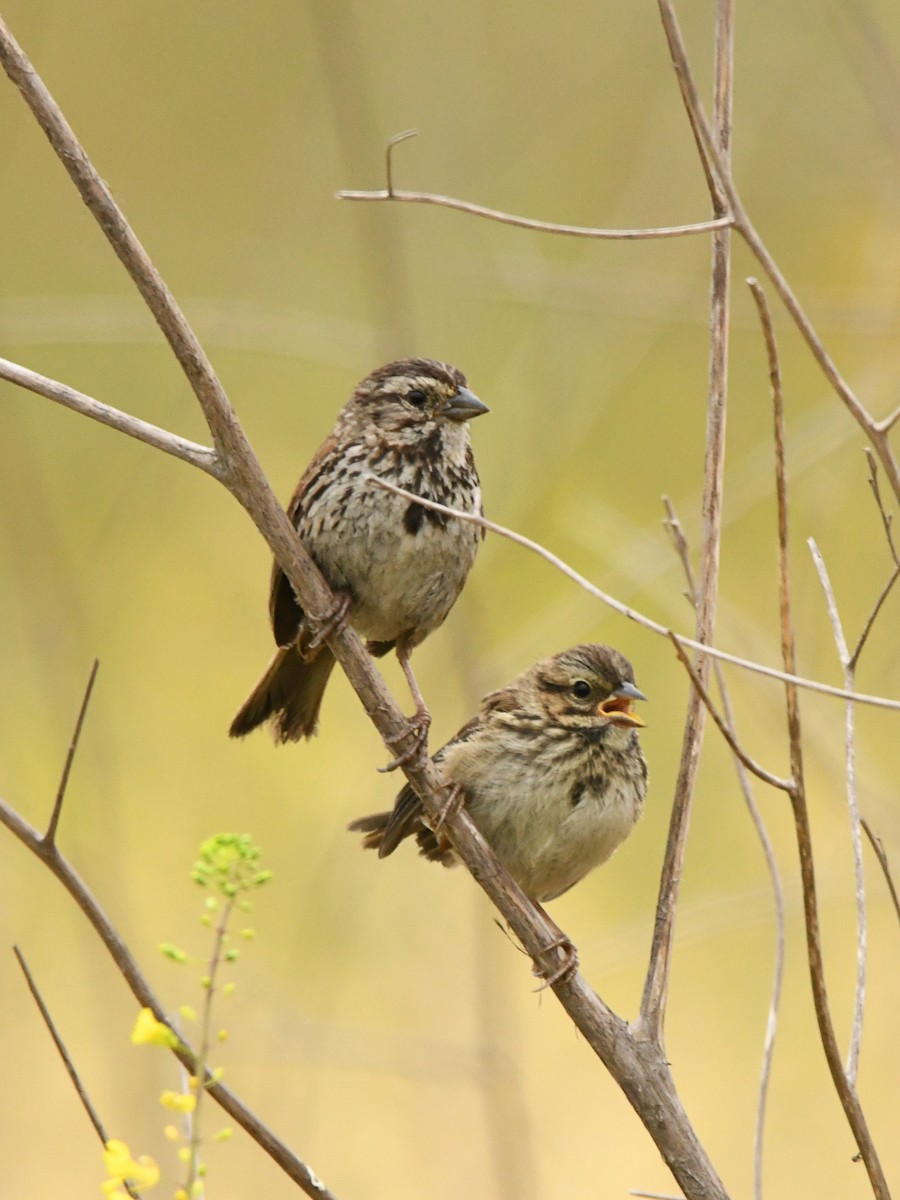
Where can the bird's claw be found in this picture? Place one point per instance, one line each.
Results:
(450, 807)
(331, 622)
(565, 969)
(417, 730)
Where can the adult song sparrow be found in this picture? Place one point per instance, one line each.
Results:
(550, 771)
(397, 567)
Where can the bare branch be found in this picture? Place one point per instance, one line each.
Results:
(653, 1002)
(625, 610)
(887, 519)
(673, 525)
(50, 835)
(93, 1116)
(878, 847)
(719, 178)
(727, 733)
(844, 1088)
(152, 435)
(504, 218)
(853, 805)
(493, 214)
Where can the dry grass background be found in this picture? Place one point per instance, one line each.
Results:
(382, 1024)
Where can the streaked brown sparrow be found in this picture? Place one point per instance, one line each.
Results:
(397, 567)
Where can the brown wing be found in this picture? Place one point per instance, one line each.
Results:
(285, 613)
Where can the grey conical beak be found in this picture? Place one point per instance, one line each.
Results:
(630, 692)
(464, 406)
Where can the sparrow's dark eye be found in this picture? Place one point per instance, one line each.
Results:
(416, 397)
(581, 689)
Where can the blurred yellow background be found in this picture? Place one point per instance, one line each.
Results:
(382, 1024)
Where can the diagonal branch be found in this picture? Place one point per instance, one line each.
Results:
(53, 825)
(151, 435)
(718, 169)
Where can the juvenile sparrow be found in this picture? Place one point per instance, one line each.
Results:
(397, 567)
(550, 771)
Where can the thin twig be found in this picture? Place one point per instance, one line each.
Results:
(626, 610)
(653, 1001)
(887, 525)
(504, 218)
(878, 847)
(151, 435)
(844, 1088)
(86, 1104)
(843, 651)
(50, 835)
(673, 525)
(727, 733)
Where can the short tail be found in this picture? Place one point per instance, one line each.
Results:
(289, 694)
(373, 827)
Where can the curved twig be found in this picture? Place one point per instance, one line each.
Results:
(504, 218)
(633, 614)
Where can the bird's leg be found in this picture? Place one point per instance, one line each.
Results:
(331, 622)
(417, 729)
(563, 949)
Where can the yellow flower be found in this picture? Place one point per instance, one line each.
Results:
(150, 1032)
(120, 1165)
(178, 1101)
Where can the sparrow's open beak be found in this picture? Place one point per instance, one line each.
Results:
(617, 709)
(464, 406)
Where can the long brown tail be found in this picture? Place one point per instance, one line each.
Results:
(289, 693)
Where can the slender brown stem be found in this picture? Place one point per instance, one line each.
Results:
(721, 724)
(727, 724)
(845, 1090)
(878, 847)
(50, 835)
(653, 1003)
(86, 1103)
(504, 218)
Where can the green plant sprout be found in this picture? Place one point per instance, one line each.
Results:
(228, 866)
